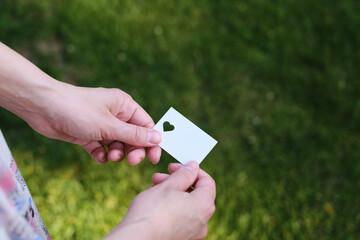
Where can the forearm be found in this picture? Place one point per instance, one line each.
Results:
(79, 115)
(23, 87)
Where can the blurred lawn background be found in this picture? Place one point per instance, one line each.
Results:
(275, 82)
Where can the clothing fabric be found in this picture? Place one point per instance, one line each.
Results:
(19, 217)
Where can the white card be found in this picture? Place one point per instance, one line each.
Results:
(182, 139)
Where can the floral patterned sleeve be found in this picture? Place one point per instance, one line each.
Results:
(19, 217)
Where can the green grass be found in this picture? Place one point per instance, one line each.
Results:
(275, 82)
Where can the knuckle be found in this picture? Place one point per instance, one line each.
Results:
(124, 99)
(208, 208)
(124, 94)
(185, 173)
(107, 133)
(212, 210)
(139, 136)
(203, 233)
(212, 183)
(116, 91)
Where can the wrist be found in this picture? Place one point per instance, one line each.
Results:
(28, 97)
(137, 230)
(24, 88)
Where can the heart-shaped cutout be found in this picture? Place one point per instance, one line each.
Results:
(168, 127)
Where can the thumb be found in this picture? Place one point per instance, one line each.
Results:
(135, 135)
(183, 178)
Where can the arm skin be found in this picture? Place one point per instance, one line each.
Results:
(89, 117)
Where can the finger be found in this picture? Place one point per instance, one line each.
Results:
(174, 167)
(94, 148)
(96, 151)
(154, 154)
(158, 178)
(134, 154)
(132, 112)
(183, 178)
(141, 118)
(205, 185)
(116, 151)
(132, 134)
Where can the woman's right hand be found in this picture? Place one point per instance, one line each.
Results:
(169, 210)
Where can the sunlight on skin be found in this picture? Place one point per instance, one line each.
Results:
(90, 117)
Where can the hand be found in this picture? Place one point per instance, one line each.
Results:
(93, 117)
(169, 210)
(90, 117)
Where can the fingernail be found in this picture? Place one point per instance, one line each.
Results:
(190, 165)
(102, 158)
(154, 137)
